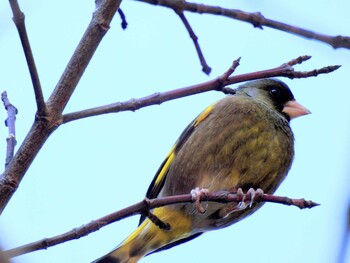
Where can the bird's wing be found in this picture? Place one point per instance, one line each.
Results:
(159, 179)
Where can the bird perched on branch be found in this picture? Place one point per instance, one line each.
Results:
(243, 141)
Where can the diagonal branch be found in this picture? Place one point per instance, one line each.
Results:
(18, 19)
(217, 84)
(256, 19)
(98, 27)
(205, 68)
(44, 126)
(3, 258)
(146, 205)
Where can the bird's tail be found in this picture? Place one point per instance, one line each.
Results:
(127, 252)
(120, 255)
(148, 237)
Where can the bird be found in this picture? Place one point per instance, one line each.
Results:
(241, 142)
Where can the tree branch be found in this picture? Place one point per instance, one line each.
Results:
(217, 84)
(124, 24)
(146, 205)
(3, 258)
(43, 126)
(256, 19)
(98, 27)
(18, 19)
(10, 123)
(205, 68)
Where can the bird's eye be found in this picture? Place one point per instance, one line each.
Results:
(274, 93)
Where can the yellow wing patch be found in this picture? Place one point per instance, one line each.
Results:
(169, 159)
(159, 179)
(204, 115)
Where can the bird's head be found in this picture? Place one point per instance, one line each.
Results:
(275, 93)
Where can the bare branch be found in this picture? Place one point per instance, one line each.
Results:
(155, 220)
(18, 19)
(43, 126)
(124, 24)
(218, 84)
(205, 68)
(143, 207)
(312, 73)
(230, 71)
(3, 259)
(256, 19)
(10, 123)
(298, 60)
(98, 27)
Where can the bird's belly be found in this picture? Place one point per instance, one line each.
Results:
(255, 164)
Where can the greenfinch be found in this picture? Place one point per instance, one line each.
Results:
(243, 141)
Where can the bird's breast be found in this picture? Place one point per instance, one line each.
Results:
(242, 144)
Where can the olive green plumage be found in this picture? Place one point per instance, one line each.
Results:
(242, 141)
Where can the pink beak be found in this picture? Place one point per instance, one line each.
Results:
(295, 109)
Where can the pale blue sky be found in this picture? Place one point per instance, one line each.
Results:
(98, 165)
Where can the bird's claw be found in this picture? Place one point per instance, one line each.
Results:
(197, 193)
(252, 193)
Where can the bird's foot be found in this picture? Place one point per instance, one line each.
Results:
(197, 194)
(243, 204)
(252, 193)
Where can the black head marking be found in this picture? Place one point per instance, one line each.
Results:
(270, 90)
(278, 92)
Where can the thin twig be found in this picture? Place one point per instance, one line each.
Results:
(298, 60)
(10, 123)
(146, 205)
(205, 68)
(159, 223)
(256, 19)
(18, 19)
(312, 73)
(218, 84)
(307, 74)
(230, 71)
(124, 24)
